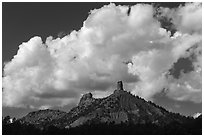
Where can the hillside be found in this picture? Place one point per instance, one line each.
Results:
(120, 109)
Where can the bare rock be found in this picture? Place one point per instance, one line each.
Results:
(86, 99)
(119, 85)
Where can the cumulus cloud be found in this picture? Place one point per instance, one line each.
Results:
(189, 18)
(112, 45)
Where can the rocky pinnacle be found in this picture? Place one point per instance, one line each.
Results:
(119, 85)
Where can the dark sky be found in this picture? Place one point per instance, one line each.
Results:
(22, 21)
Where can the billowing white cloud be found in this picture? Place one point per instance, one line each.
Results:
(110, 46)
(189, 18)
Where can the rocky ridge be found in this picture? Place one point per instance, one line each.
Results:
(119, 107)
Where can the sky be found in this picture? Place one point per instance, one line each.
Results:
(53, 53)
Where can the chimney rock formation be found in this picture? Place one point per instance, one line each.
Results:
(119, 85)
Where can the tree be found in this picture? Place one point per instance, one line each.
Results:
(6, 120)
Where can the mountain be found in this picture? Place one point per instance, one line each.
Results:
(119, 107)
(121, 112)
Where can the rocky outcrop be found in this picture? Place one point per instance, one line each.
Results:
(86, 99)
(119, 88)
(119, 85)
